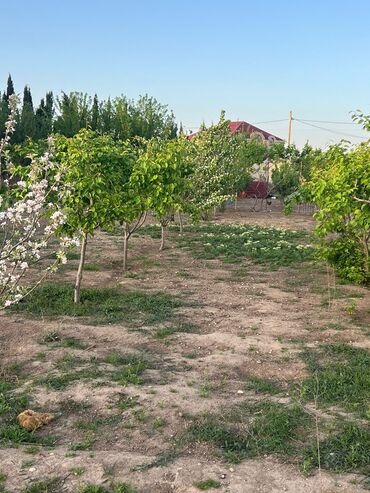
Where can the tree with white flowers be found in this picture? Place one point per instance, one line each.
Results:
(29, 219)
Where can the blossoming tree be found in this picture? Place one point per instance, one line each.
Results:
(29, 219)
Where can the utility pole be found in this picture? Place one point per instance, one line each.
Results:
(290, 128)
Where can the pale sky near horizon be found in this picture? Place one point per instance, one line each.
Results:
(255, 60)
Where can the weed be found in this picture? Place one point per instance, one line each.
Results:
(163, 459)
(127, 402)
(115, 488)
(32, 450)
(77, 471)
(207, 484)
(165, 332)
(86, 443)
(27, 463)
(251, 430)
(53, 485)
(263, 385)
(345, 451)
(92, 268)
(341, 374)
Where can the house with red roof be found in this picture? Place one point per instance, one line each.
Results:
(259, 186)
(249, 130)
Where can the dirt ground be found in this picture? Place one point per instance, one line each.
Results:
(249, 325)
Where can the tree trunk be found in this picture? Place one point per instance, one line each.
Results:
(125, 246)
(163, 229)
(181, 223)
(77, 291)
(366, 252)
(236, 202)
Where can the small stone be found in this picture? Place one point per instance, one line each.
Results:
(32, 469)
(240, 392)
(231, 469)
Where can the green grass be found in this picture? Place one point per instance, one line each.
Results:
(126, 402)
(128, 369)
(114, 488)
(86, 444)
(101, 305)
(345, 451)
(163, 459)
(340, 375)
(207, 484)
(52, 485)
(251, 430)
(77, 471)
(164, 332)
(263, 385)
(92, 268)
(231, 243)
(11, 404)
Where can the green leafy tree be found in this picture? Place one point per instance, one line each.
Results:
(341, 190)
(149, 119)
(162, 175)
(121, 120)
(73, 113)
(95, 170)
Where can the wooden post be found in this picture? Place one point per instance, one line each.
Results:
(290, 128)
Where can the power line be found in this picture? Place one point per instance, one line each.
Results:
(271, 121)
(328, 129)
(327, 121)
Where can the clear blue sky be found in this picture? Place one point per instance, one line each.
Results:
(254, 59)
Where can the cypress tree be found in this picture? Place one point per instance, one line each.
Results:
(27, 120)
(9, 87)
(95, 116)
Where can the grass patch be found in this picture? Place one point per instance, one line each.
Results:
(11, 404)
(251, 430)
(207, 484)
(340, 376)
(164, 332)
(344, 451)
(52, 485)
(128, 369)
(102, 305)
(92, 268)
(264, 385)
(163, 459)
(114, 488)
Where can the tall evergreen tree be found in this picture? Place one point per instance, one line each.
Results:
(44, 117)
(9, 87)
(3, 113)
(95, 114)
(27, 127)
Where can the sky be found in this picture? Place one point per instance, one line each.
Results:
(257, 60)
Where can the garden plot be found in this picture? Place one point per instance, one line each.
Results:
(230, 368)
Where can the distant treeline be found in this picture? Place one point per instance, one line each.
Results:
(66, 114)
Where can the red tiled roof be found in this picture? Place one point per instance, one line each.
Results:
(248, 129)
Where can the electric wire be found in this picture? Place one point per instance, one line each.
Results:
(328, 129)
